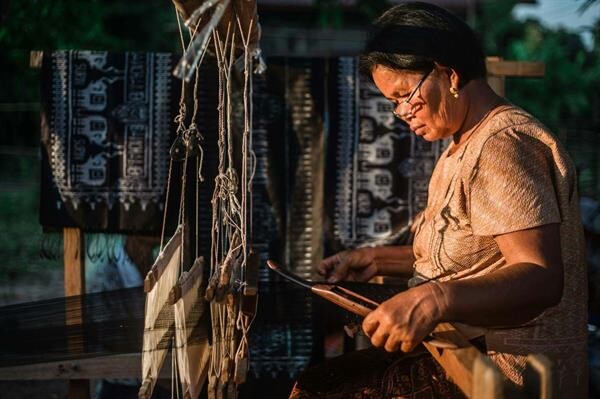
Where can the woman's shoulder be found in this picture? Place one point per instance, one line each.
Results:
(510, 126)
(511, 117)
(512, 137)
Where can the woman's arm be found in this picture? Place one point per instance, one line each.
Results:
(395, 261)
(362, 264)
(531, 281)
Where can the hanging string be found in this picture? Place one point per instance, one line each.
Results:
(197, 210)
(230, 213)
(242, 321)
(179, 120)
(223, 315)
(245, 144)
(231, 221)
(187, 136)
(173, 370)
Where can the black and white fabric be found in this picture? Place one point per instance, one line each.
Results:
(377, 170)
(106, 131)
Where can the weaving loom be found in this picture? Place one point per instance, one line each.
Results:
(342, 150)
(274, 94)
(225, 359)
(287, 349)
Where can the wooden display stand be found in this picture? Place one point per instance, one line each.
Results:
(498, 69)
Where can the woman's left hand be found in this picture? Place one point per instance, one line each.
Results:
(404, 320)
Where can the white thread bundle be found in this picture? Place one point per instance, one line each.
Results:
(153, 356)
(192, 359)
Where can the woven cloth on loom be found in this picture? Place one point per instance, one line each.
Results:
(112, 322)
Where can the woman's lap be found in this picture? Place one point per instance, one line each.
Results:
(375, 374)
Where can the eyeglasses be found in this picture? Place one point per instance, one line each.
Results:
(412, 94)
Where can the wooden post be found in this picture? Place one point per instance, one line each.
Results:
(74, 279)
(127, 365)
(458, 363)
(538, 377)
(488, 382)
(74, 261)
(74, 265)
(498, 70)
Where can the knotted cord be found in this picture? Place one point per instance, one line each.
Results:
(231, 221)
(164, 279)
(230, 230)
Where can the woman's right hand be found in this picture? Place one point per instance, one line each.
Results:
(351, 265)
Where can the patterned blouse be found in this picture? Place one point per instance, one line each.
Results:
(512, 174)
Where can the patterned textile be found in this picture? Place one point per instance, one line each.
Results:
(377, 170)
(511, 175)
(106, 122)
(375, 374)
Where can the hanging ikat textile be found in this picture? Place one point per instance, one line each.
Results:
(106, 121)
(377, 170)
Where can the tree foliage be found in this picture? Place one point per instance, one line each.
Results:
(27, 25)
(567, 96)
(88, 24)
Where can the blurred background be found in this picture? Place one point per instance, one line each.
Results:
(564, 34)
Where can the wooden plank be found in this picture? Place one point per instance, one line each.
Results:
(498, 67)
(458, 363)
(115, 366)
(487, 380)
(539, 378)
(472, 371)
(496, 82)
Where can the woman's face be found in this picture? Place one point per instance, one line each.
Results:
(432, 112)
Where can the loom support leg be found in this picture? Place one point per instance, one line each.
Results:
(74, 266)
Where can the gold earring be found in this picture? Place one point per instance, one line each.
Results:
(454, 92)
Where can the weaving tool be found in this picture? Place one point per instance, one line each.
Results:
(347, 299)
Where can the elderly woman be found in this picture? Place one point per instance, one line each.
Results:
(499, 245)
